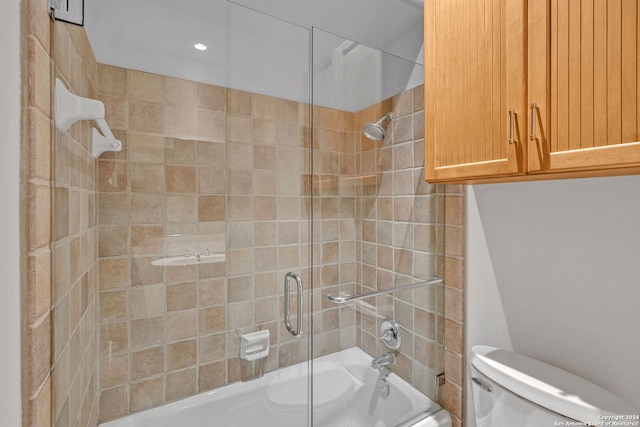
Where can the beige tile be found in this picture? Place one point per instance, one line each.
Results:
(181, 354)
(113, 338)
(143, 273)
(179, 92)
(147, 363)
(181, 208)
(112, 241)
(211, 97)
(287, 111)
(212, 347)
(453, 399)
(264, 132)
(211, 292)
(147, 178)
(239, 156)
(147, 240)
(181, 179)
(263, 107)
(39, 82)
(146, 148)
(112, 208)
(180, 151)
(39, 216)
(211, 154)
(145, 208)
(211, 208)
(147, 332)
(146, 86)
(40, 145)
(238, 129)
(112, 273)
(145, 117)
(454, 241)
(112, 80)
(267, 310)
(454, 367)
(289, 134)
(181, 296)
(265, 208)
(116, 111)
(181, 384)
(179, 122)
(238, 102)
(240, 261)
(240, 289)
(264, 157)
(212, 320)
(147, 301)
(210, 125)
(114, 403)
(113, 306)
(241, 314)
(453, 336)
(114, 371)
(146, 394)
(39, 350)
(240, 208)
(211, 180)
(266, 259)
(180, 325)
(211, 376)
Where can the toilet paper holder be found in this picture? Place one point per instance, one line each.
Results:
(254, 345)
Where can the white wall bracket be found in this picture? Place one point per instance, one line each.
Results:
(70, 108)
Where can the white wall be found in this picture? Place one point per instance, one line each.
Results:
(553, 272)
(10, 396)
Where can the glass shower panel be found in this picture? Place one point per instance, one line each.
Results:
(181, 243)
(377, 225)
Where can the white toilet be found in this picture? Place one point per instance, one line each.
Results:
(512, 390)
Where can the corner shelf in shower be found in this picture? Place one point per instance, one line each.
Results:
(179, 261)
(436, 280)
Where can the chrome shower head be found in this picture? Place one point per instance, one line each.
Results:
(375, 131)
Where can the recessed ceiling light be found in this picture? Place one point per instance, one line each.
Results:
(200, 46)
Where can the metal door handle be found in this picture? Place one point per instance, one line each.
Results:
(533, 137)
(512, 124)
(287, 314)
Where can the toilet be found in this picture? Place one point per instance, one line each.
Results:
(510, 389)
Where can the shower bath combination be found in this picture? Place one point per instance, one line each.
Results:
(375, 131)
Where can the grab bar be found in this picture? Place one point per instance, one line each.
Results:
(342, 300)
(287, 314)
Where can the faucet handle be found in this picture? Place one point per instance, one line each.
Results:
(187, 254)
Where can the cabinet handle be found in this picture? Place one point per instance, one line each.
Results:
(512, 119)
(533, 137)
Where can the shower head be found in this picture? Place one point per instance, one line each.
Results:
(375, 131)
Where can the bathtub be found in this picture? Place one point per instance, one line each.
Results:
(347, 392)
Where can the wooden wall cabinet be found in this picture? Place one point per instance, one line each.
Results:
(566, 70)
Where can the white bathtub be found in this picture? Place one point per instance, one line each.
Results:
(345, 394)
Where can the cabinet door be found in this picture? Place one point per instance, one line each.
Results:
(474, 74)
(583, 78)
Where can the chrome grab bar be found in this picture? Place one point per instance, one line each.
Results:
(287, 314)
(342, 300)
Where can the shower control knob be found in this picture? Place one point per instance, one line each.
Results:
(390, 334)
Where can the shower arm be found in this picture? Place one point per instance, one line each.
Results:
(343, 300)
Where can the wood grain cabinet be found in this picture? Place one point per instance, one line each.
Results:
(537, 89)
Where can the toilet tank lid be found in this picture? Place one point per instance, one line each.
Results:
(548, 386)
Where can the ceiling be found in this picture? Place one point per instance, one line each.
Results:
(249, 49)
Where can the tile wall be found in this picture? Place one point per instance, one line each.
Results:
(74, 242)
(59, 230)
(211, 168)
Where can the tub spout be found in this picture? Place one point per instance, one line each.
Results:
(386, 359)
